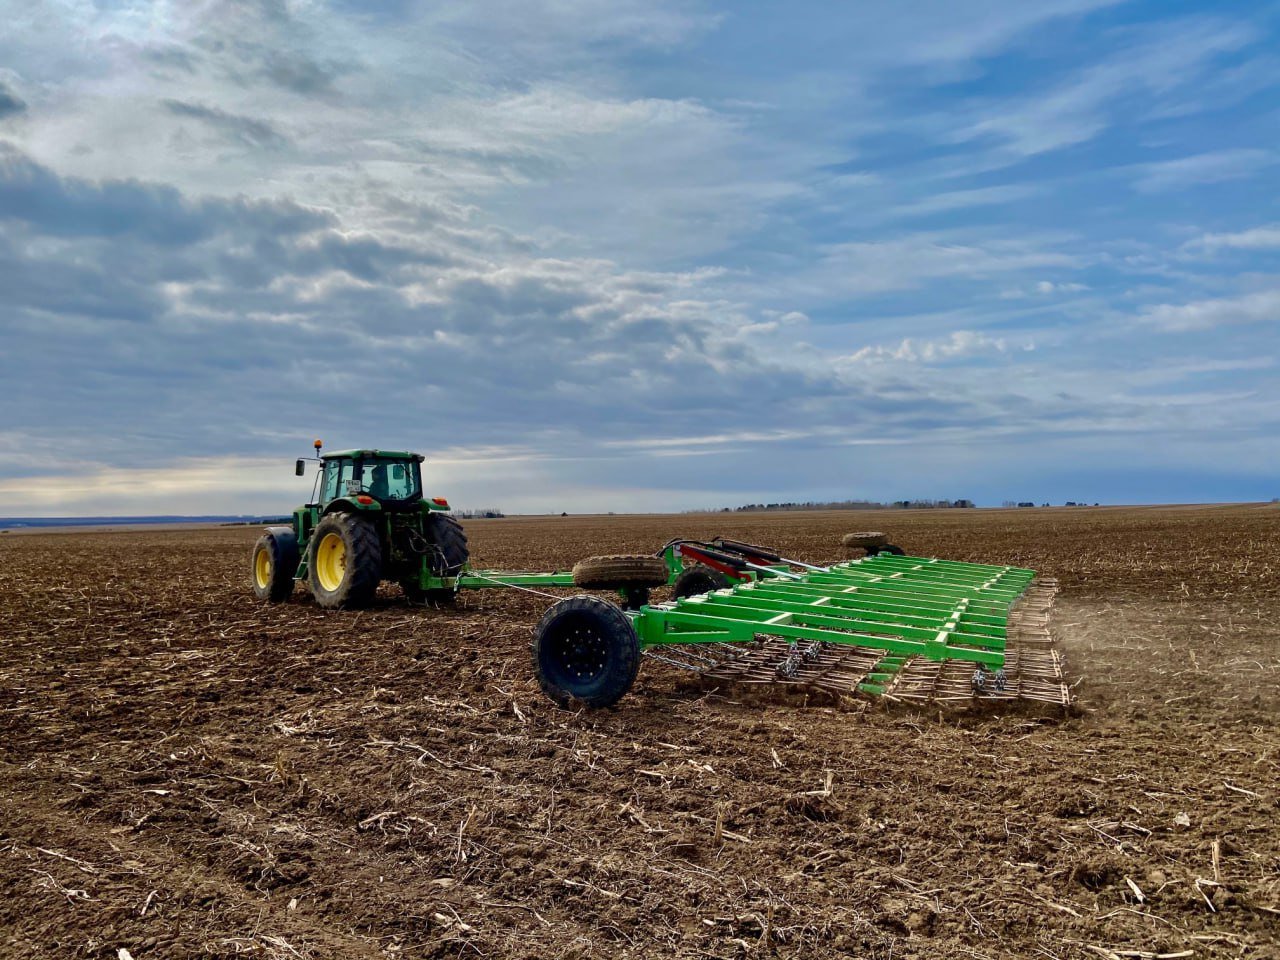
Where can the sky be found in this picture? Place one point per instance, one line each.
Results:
(639, 256)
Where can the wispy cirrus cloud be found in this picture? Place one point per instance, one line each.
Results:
(1255, 238)
(1260, 307)
(1213, 167)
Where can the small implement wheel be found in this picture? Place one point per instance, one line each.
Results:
(275, 561)
(890, 548)
(620, 572)
(694, 580)
(865, 541)
(585, 650)
(344, 562)
(633, 598)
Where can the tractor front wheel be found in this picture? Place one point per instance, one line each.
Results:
(585, 650)
(275, 561)
(344, 562)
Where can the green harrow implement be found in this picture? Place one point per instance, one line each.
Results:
(908, 628)
(884, 624)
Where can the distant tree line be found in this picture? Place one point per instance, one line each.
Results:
(1031, 503)
(480, 513)
(851, 505)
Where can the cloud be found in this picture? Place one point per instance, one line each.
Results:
(558, 246)
(247, 130)
(31, 193)
(961, 343)
(10, 103)
(1213, 167)
(1255, 238)
(1159, 60)
(963, 199)
(867, 268)
(1259, 307)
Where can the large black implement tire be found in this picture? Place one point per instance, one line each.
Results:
(585, 650)
(274, 563)
(344, 562)
(697, 579)
(619, 572)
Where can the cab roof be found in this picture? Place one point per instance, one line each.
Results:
(373, 454)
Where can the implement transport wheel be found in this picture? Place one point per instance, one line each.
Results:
(344, 562)
(871, 542)
(620, 572)
(697, 579)
(275, 561)
(585, 650)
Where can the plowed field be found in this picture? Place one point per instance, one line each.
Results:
(185, 772)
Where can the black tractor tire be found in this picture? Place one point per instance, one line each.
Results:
(274, 563)
(449, 552)
(697, 579)
(866, 541)
(620, 572)
(585, 651)
(891, 549)
(344, 562)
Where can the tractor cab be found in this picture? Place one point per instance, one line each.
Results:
(392, 478)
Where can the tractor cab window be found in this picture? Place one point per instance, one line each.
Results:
(390, 479)
(338, 475)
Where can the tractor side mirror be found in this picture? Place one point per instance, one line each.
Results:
(300, 468)
(397, 472)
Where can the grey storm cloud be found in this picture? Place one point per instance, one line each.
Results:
(200, 312)
(69, 206)
(298, 73)
(254, 133)
(10, 103)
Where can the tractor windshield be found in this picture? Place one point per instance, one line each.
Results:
(391, 479)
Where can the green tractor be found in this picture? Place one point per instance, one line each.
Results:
(368, 522)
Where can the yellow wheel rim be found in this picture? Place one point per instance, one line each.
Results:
(262, 568)
(331, 562)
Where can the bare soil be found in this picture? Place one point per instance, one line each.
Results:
(185, 772)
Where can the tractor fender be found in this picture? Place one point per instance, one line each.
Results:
(351, 505)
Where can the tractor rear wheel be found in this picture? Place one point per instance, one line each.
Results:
(275, 561)
(585, 650)
(697, 579)
(344, 562)
(449, 553)
(623, 571)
